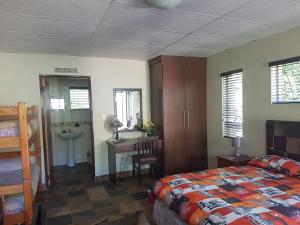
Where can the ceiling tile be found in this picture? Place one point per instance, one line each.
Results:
(94, 52)
(106, 44)
(40, 39)
(78, 10)
(213, 41)
(112, 32)
(276, 12)
(45, 26)
(208, 7)
(211, 7)
(187, 51)
(150, 18)
(227, 27)
(16, 47)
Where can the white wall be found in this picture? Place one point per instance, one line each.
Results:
(19, 81)
(253, 58)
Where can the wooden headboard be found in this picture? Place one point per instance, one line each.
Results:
(283, 138)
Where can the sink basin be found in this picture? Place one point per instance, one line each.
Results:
(70, 139)
(71, 135)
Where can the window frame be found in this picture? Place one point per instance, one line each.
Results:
(59, 99)
(281, 63)
(223, 75)
(89, 97)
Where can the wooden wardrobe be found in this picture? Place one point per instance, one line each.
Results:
(178, 109)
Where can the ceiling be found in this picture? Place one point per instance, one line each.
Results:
(132, 30)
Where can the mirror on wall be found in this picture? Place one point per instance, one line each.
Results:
(128, 107)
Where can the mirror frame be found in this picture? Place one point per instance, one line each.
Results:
(140, 90)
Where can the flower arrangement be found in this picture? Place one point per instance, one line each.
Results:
(148, 127)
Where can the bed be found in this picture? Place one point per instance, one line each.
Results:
(10, 128)
(20, 163)
(11, 174)
(236, 195)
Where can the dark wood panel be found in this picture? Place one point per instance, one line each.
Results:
(230, 160)
(182, 110)
(283, 138)
(156, 90)
(196, 115)
(174, 79)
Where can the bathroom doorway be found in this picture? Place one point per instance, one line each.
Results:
(67, 127)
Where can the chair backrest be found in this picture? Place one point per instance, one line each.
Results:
(148, 145)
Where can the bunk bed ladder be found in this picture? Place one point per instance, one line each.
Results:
(25, 158)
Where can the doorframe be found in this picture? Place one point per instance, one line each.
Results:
(47, 161)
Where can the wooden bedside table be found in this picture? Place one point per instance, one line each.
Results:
(231, 160)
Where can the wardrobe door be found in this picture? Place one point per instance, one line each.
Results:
(196, 115)
(156, 90)
(174, 88)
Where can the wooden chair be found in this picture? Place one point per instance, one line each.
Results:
(149, 153)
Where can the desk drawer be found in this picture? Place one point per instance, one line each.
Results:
(124, 148)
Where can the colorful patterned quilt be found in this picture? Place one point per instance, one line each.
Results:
(232, 195)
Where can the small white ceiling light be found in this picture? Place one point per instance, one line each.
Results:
(164, 4)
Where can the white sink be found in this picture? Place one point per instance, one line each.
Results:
(70, 139)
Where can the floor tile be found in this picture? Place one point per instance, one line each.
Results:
(109, 211)
(74, 182)
(58, 211)
(76, 199)
(140, 195)
(60, 220)
(84, 218)
(57, 203)
(117, 192)
(76, 193)
(102, 203)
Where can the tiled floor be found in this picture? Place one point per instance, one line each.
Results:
(75, 199)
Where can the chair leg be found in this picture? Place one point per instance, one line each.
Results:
(139, 175)
(150, 170)
(133, 169)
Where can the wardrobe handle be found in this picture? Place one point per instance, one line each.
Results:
(184, 118)
(188, 118)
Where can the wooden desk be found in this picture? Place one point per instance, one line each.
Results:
(119, 147)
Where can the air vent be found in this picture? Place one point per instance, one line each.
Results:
(65, 70)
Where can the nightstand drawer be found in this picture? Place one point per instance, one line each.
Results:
(230, 160)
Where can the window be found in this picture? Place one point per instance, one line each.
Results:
(79, 98)
(285, 81)
(57, 103)
(232, 103)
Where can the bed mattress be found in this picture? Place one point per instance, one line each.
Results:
(11, 128)
(15, 203)
(231, 195)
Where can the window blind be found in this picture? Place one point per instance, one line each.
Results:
(79, 98)
(285, 79)
(232, 103)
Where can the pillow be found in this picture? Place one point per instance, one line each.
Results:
(279, 164)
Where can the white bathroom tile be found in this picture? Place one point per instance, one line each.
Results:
(65, 92)
(52, 117)
(66, 116)
(75, 114)
(58, 116)
(55, 92)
